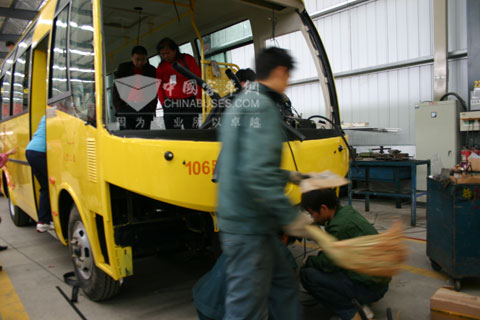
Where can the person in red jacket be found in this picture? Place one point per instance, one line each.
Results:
(180, 97)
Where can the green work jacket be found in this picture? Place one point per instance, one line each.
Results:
(347, 223)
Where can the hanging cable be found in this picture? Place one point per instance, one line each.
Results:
(139, 9)
(176, 10)
(274, 24)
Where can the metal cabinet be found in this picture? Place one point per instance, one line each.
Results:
(453, 229)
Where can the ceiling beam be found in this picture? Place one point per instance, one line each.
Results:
(18, 13)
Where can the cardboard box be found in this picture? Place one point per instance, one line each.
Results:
(475, 164)
(467, 179)
(449, 304)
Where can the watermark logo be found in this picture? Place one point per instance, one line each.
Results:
(190, 87)
(137, 90)
(178, 123)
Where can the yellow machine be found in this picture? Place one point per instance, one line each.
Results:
(117, 193)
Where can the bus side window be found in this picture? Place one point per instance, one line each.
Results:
(82, 69)
(20, 83)
(59, 86)
(6, 94)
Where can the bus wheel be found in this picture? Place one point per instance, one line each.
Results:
(95, 283)
(19, 217)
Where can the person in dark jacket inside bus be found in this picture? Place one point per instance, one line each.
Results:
(140, 117)
(180, 97)
(331, 285)
(246, 75)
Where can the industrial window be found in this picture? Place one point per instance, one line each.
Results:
(59, 74)
(219, 45)
(82, 69)
(20, 83)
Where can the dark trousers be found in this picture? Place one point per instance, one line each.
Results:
(335, 291)
(261, 283)
(38, 163)
(201, 316)
(181, 113)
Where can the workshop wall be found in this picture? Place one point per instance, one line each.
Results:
(395, 36)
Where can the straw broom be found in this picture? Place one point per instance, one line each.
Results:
(377, 255)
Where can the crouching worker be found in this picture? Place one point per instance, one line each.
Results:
(333, 287)
(210, 291)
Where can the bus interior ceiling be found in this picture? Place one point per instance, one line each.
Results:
(159, 19)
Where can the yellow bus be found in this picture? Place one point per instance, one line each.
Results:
(117, 194)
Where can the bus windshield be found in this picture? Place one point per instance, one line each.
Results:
(225, 38)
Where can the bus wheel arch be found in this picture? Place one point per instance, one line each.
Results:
(95, 283)
(65, 204)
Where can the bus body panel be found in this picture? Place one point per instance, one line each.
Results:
(44, 22)
(139, 165)
(16, 133)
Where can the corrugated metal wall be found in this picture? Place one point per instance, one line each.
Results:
(372, 34)
(361, 38)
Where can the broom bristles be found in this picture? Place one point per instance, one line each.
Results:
(377, 255)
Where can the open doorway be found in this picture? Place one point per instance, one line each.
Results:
(38, 98)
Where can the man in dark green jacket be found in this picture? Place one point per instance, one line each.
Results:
(334, 287)
(252, 206)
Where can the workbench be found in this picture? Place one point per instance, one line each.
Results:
(387, 171)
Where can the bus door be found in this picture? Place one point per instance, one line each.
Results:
(38, 98)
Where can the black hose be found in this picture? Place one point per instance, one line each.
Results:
(293, 131)
(233, 77)
(80, 314)
(190, 75)
(462, 102)
(338, 129)
(211, 93)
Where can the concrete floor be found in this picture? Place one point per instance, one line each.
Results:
(161, 286)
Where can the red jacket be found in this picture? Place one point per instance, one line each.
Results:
(178, 90)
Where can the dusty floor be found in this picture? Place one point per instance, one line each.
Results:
(161, 287)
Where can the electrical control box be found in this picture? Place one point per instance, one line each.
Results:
(437, 133)
(470, 121)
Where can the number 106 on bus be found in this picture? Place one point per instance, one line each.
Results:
(197, 167)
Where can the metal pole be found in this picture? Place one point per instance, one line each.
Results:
(473, 46)
(440, 47)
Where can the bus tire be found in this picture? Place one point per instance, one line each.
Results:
(19, 217)
(95, 283)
